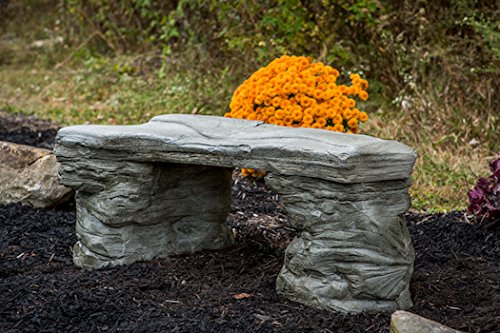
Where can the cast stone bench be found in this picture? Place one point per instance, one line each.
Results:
(164, 187)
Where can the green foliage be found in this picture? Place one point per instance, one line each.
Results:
(433, 66)
(393, 42)
(263, 30)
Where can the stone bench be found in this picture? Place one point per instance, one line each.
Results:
(164, 187)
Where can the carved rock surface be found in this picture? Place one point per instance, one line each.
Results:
(226, 142)
(30, 175)
(354, 253)
(164, 187)
(129, 211)
(407, 322)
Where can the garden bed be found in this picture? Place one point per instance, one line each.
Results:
(456, 279)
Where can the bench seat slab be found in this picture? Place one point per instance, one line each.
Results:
(227, 142)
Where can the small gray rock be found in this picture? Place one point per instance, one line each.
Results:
(407, 322)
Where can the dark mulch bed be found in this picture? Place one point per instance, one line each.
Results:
(27, 130)
(456, 279)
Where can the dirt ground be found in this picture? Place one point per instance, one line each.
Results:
(456, 280)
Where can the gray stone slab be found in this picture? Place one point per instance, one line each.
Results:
(226, 142)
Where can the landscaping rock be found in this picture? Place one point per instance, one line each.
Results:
(407, 322)
(30, 175)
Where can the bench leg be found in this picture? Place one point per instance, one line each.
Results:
(128, 212)
(354, 253)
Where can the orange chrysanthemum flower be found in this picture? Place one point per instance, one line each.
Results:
(294, 91)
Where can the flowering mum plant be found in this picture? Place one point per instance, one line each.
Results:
(294, 91)
(484, 198)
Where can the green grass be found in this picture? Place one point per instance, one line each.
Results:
(441, 185)
(98, 92)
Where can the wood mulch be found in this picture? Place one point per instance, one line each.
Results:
(456, 280)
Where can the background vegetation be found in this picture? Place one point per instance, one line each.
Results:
(433, 67)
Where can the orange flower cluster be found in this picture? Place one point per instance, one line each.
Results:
(255, 173)
(293, 91)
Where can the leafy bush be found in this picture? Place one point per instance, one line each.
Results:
(484, 198)
(261, 29)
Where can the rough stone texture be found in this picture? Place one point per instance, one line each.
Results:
(407, 322)
(225, 142)
(346, 193)
(29, 175)
(129, 211)
(354, 253)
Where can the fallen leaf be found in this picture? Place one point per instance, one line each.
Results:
(241, 296)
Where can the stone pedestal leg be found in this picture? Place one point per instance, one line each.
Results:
(128, 212)
(354, 253)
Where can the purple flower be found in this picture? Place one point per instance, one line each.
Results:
(484, 198)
